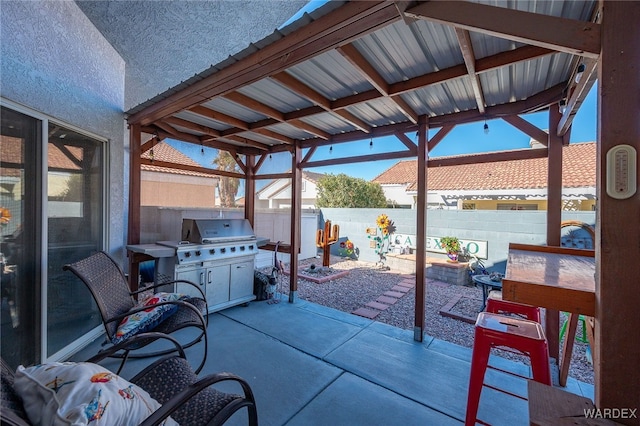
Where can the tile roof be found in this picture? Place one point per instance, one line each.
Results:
(165, 152)
(578, 170)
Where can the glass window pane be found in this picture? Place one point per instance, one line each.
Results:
(20, 195)
(75, 210)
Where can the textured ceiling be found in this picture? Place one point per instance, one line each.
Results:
(166, 42)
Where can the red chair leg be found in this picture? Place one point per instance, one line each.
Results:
(479, 361)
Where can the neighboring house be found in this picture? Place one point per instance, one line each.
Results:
(172, 187)
(277, 194)
(505, 185)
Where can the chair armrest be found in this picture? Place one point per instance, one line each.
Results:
(132, 340)
(183, 396)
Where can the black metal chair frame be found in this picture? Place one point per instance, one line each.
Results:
(109, 287)
(175, 400)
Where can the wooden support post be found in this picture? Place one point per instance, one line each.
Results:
(617, 376)
(554, 219)
(296, 210)
(133, 226)
(421, 234)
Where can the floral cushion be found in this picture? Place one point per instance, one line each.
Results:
(67, 393)
(147, 319)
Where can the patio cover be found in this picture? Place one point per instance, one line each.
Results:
(359, 70)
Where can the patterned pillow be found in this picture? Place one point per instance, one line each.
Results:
(149, 318)
(67, 393)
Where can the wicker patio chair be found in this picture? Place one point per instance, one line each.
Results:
(110, 290)
(170, 381)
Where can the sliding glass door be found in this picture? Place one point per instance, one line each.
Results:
(20, 242)
(52, 192)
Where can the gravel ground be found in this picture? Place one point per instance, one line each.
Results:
(366, 282)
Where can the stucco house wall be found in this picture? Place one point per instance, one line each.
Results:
(54, 61)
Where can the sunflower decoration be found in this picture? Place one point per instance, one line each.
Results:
(5, 216)
(381, 242)
(383, 223)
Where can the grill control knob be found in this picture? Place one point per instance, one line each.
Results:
(251, 247)
(212, 251)
(197, 252)
(241, 248)
(187, 254)
(223, 250)
(233, 249)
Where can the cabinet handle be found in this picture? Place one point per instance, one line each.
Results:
(240, 266)
(209, 277)
(201, 278)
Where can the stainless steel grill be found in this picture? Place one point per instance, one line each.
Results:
(219, 255)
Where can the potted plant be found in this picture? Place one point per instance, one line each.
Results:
(451, 246)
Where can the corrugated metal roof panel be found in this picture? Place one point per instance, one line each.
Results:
(329, 122)
(291, 131)
(203, 121)
(331, 75)
(275, 95)
(233, 109)
(379, 112)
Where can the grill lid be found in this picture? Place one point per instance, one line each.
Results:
(205, 231)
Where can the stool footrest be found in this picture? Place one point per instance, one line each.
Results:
(504, 391)
(511, 373)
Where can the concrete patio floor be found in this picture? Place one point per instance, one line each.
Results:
(313, 365)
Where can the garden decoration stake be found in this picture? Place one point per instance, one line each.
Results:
(381, 242)
(325, 239)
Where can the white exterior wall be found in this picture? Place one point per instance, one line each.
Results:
(398, 193)
(54, 61)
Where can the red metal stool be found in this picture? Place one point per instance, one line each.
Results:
(493, 330)
(496, 305)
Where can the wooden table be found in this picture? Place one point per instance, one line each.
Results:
(555, 278)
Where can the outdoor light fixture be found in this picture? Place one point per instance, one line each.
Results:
(270, 157)
(579, 72)
(562, 106)
(486, 128)
(201, 149)
(371, 144)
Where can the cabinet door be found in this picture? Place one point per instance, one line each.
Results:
(241, 279)
(217, 284)
(196, 276)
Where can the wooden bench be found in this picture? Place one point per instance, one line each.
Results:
(550, 406)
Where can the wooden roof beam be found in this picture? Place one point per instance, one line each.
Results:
(176, 166)
(311, 129)
(273, 135)
(561, 34)
(407, 142)
(355, 58)
(261, 146)
(491, 157)
(464, 40)
(482, 65)
(254, 105)
(438, 137)
(307, 92)
(527, 128)
(578, 94)
(175, 121)
(361, 159)
(218, 116)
